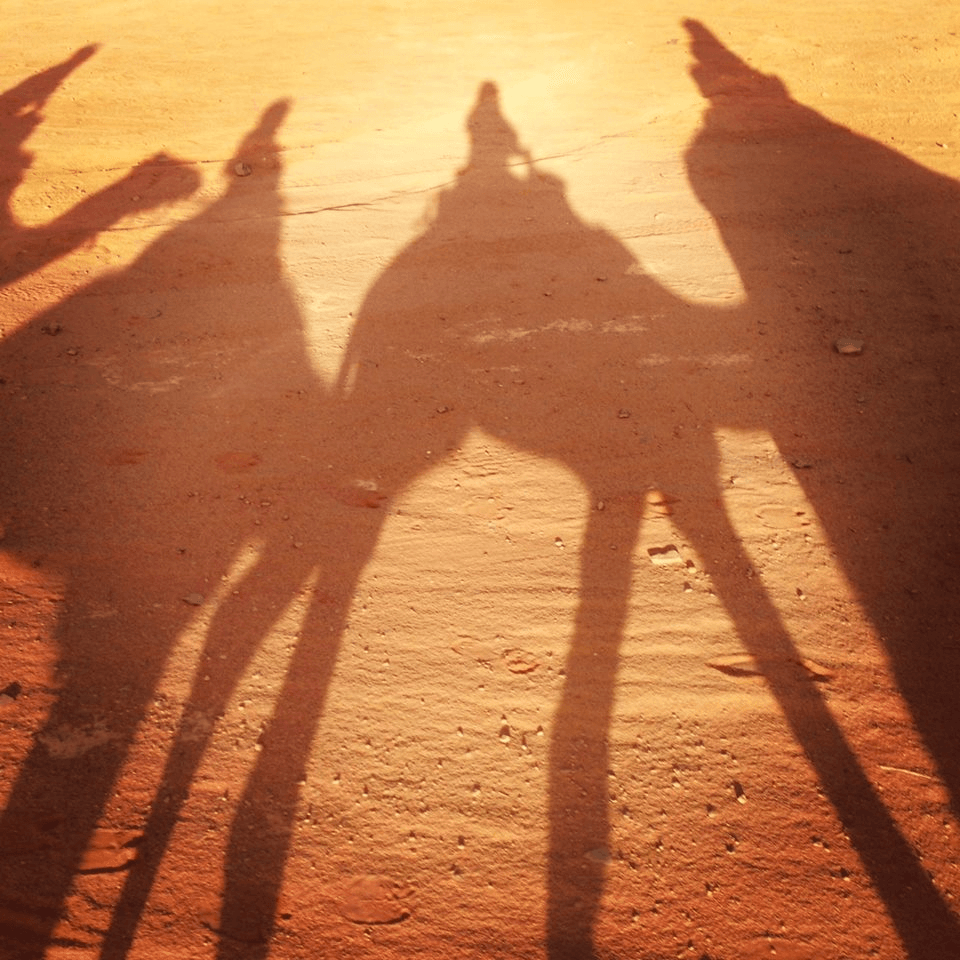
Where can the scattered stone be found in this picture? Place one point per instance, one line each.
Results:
(624, 414)
(801, 464)
(558, 543)
(67, 743)
(110, 850)
(505, 733)
(599, 855)
(51, 329)
(739, 792)
(745, 665)
(737, 665)
(520, 661)
(663, 556)
(10, 693)
(848, 347)
(817, 671)
(242, 169)
(659, 504)
(193, 599)
(375, 899)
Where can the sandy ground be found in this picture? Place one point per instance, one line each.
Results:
(479, 480)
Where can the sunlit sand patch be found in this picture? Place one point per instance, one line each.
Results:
(448, 678)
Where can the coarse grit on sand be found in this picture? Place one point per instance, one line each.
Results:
(479, 480)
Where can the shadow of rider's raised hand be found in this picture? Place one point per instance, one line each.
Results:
(153, 182)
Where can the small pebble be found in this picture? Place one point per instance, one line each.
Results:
(599, 855)
(849, 347)
(242, 169)
(664, 555)
(194, 599)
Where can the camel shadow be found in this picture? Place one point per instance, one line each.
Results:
(510, 314)
(136, 438)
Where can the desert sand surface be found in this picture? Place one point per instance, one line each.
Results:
(479, 480)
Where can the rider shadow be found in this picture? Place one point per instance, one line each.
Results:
(868, 239)
(511, 315)
(26, 249)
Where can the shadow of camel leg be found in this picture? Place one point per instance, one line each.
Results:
(70, 794)
(926, 926)
(258, 844)
(234, 636)
(579, 800)
(262, 829)
(59, 797)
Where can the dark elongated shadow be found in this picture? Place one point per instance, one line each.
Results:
(338, 527)
(462, 311)
(513, 315)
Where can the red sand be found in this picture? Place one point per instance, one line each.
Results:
(437, 518)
